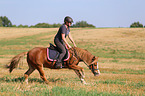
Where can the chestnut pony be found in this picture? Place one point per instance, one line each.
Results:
(37, 59)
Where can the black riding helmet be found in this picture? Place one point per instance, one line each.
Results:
(68, 19)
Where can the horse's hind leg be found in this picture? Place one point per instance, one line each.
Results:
(42, 75)
(29, 71)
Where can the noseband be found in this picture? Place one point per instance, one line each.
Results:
(92, 65)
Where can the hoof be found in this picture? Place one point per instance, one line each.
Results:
(46, 82)
(96, 74)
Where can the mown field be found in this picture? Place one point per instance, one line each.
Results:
(121, 54)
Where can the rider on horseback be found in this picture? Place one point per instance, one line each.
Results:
(60, 40)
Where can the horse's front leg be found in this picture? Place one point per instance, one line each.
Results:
(83, 73)
(79, 71)
(81, 76)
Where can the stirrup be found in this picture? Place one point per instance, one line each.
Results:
(58, 65)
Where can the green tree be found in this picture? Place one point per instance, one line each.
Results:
(136, 25)
(1, 23)
(6, 22)
(14, 26)
(43, 25)
(20, 26)
(82, 24)
(46, 25)
(56, 25)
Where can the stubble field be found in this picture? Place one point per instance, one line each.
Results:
(121, 54)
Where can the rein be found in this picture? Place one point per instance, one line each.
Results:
(73, 49)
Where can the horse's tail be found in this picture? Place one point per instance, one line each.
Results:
(15, 61)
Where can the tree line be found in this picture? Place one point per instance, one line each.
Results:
(5, 22)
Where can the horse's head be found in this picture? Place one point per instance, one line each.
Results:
(86, 56)
(94, 66)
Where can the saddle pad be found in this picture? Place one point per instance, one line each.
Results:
(52, 55)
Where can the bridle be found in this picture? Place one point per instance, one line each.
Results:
(93, 69)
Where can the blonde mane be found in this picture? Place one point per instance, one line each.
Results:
(84, 55)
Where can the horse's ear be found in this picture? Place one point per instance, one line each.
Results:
(95, 59)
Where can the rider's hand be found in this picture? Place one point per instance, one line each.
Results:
(75, 45)
(69, 46)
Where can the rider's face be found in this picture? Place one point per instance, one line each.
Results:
(68, 24)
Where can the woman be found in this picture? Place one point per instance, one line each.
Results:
(60, 40)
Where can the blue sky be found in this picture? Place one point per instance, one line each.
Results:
(101, 13)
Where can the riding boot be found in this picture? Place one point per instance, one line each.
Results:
(58, 65)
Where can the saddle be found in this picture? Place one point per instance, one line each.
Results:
(53, 53)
